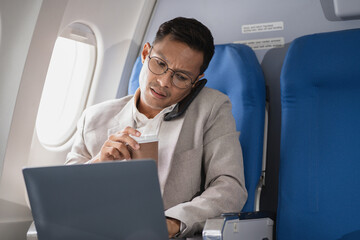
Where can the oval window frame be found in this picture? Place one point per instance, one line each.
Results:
(82, 33)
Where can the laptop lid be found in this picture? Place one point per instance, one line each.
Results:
(114, 200)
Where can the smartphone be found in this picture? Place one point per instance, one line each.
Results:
(181, 107)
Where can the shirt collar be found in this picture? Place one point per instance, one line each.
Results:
(139, 117)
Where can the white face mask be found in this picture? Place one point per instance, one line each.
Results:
(143, 75)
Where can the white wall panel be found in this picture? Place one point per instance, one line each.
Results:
(28, 33)
(15, 36)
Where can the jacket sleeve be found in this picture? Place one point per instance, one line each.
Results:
(224, 188)
(79, 153)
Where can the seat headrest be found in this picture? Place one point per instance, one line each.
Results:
(322, 59)
(134, 78)
(235, 71)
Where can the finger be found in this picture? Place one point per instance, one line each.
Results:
(125, 139)
(108, 157)
(114, 152)
(131, 131)
(122, 149)
(110, 151)
(109, 154)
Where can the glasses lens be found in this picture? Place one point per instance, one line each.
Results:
(157, 66)
(181, 80)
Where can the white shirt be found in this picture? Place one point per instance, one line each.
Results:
(148, 126)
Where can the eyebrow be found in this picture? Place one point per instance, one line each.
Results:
(167, 61)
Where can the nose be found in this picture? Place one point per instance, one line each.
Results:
(166, 78)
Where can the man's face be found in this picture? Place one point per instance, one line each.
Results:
(157, 91)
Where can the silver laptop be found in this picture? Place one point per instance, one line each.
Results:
(115, 200)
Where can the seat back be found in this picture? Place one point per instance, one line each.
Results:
(320, 138)
(235, 71)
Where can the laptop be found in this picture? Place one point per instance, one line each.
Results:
(115, 200)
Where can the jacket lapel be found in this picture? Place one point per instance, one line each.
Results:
(123, 119)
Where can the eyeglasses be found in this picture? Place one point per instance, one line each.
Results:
(179, 79)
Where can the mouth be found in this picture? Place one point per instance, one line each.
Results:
(157, 94)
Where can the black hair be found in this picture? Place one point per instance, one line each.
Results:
(191, 32)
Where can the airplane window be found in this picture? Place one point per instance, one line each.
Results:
(67, 85)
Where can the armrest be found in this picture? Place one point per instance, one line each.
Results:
(15, 219)
(232, 226)
(31, 233)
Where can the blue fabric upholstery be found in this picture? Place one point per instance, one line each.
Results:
(134, 78)
(235, 71)
(319, 182)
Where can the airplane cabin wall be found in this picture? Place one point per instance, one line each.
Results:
(27, 100)
(225, 19)
(28, 34)
(15, 37)
(16, 31)
(117, 45)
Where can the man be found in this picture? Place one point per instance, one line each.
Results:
(200, 160)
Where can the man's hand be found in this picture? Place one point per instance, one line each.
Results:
(116, 146)
(173, 226)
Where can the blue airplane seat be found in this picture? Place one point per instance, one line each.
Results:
(235, 71)
(319, 180)
(134, 78)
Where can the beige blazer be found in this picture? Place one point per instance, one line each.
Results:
(200, 160)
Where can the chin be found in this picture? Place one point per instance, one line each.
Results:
(156, 106)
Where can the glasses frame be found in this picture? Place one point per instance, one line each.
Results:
(167, 69)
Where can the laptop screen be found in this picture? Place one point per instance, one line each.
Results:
(115, 200)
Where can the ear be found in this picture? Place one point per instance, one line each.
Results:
(197, 80)
(145, 52)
